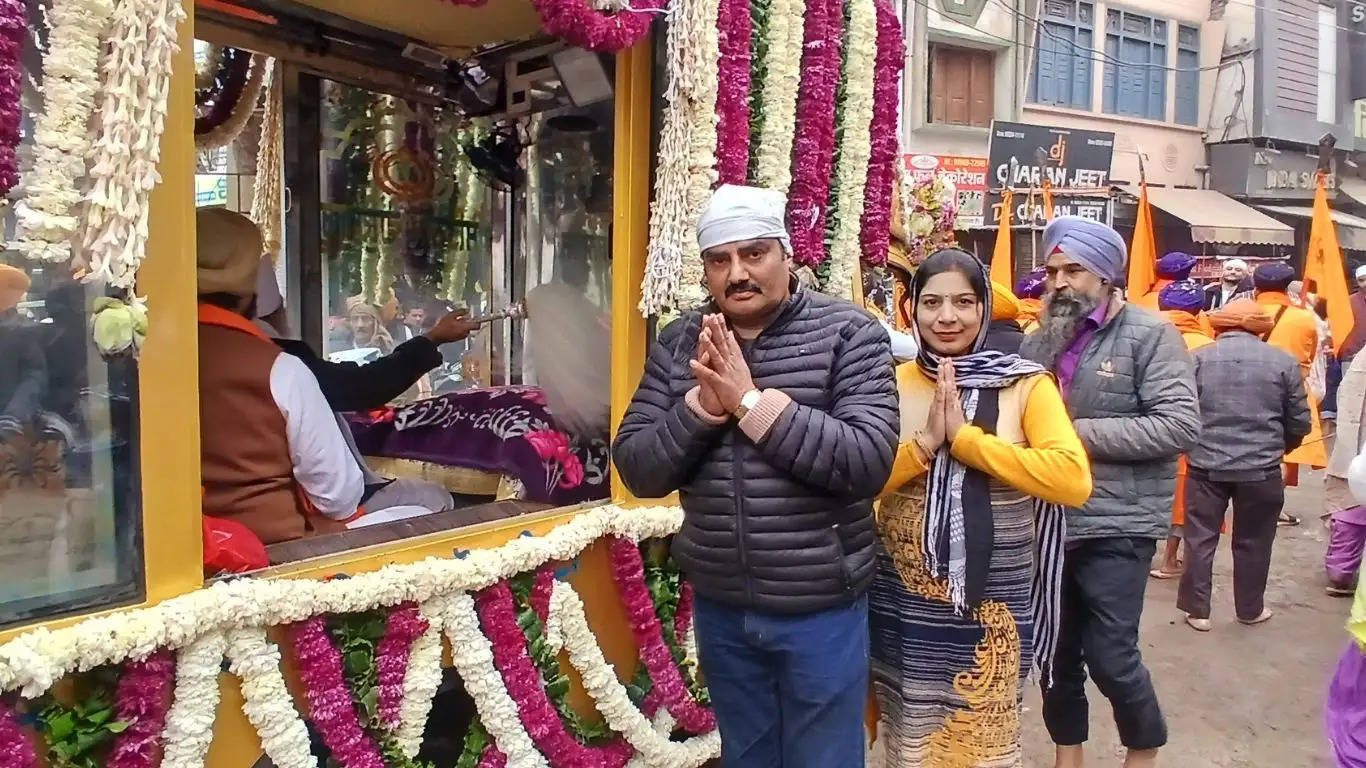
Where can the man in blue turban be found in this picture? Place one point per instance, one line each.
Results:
(1130, 390)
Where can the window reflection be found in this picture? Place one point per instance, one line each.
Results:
(69, 529)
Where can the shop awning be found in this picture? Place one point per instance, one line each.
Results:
(1353, 188)
(1217, 218)
(1351, 229)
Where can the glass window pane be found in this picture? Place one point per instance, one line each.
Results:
(70, 523)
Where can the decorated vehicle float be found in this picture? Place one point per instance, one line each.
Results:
(541, 163)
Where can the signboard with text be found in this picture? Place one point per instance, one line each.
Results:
(969, 177)
(1075, 162)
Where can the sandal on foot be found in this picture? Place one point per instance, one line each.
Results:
(1199, 625)
(1265, 616)
(1287, 520)
(1163, 573)
(1335, 591)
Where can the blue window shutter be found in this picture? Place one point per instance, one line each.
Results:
(1187, 82)
(1109, 84)
(1081, 64)
(1157, 83)
(1041, 87)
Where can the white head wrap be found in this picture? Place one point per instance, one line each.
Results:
(1239, 263)
(1361, 271)
(735, 214)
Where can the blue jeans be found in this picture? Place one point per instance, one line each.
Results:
(789, 690)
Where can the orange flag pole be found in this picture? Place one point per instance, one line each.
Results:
(1002, 267)
(1323, 266)
(1047, 199)
(1143, 248)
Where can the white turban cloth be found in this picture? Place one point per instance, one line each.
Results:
(735, 214)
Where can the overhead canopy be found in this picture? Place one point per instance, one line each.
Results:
(1353, 188)
(1217, 218)
(1351, 229)
(442, 24)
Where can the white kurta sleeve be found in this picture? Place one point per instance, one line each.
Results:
(323, 464)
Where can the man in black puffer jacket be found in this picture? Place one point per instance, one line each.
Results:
(776, 419)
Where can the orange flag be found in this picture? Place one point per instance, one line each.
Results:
(1002, 268)
(1047, 199)
(1143, 250)
(1323, 265)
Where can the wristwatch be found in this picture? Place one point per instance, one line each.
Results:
(748, 402)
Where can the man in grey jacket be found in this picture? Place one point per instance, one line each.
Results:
(773, 412)
(1127, 380)
(1254, 409)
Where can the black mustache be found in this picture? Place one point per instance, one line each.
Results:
(742, 288)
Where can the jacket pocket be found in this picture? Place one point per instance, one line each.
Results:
(846, 578)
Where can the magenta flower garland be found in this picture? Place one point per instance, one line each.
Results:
(875, 231)
(683, 616)
(814, 143)
(628, 570)
(492, 758)
(403, 626)
(13, 27)
(142, 699)
(498, 614)
(733, 31)
(541, 589)
(330, 706)
(577, 22)
(16, 751)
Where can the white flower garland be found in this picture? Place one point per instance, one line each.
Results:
(227, 132)
(189, 722)
(473, 657)
(267, 195)
(781, 82)
(855, 146)
(421, 680)
(687, 161)
(123, 161)
(266, 700)
(610, 696)
(45, 217)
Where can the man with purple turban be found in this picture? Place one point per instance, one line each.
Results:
(1181, 303)
(1173, 267)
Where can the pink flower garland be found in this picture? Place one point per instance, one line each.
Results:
(541, 590)
(683, 616)
(492, 758)
(13, 27)
(403, 626)
(814, 143)
(733, 29)
(577, 22)
(876, 228)
(16, 750)
(629, 573)
(330, 705)
(498, 613)
(142, 698)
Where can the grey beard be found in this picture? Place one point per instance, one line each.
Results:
(1058, 323)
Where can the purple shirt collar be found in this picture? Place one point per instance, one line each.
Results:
(1067, 362)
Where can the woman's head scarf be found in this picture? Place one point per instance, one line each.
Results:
(959, 531)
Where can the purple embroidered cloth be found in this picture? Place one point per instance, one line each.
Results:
(1345, 710)
(507, 430)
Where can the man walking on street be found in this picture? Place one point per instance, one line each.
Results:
(1127, 380)
(773, 411)
(1254, 410)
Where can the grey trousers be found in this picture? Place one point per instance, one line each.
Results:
(410, 492)
(1256, 506)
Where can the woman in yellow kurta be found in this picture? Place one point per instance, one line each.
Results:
(965, 597)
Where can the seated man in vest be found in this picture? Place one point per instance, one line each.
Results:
(274, 456)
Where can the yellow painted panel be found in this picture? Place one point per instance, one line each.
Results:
(441, 23)
(630, 231)
(168, 376)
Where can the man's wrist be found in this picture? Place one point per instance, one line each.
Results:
(749, 400)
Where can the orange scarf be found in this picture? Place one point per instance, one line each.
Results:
(1243, 315)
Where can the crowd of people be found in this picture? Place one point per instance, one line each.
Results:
(943, 513)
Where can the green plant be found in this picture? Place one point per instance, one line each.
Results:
(79, 735)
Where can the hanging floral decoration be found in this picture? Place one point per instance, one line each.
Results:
(231, 108)
(929, 209)
(354, 640)
(13, 29)
(685, 171)
(814, 150)
(776, 94)
(851, 168)
(268, 194)
(733, 26)
(135, 86)
(882, 161)
(45, 214)
(581, 23)
(214, 102)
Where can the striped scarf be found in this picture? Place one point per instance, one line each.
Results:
(958, 528)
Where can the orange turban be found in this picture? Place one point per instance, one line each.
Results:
(1004, 305)
(14, 284)
(1242, 315)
